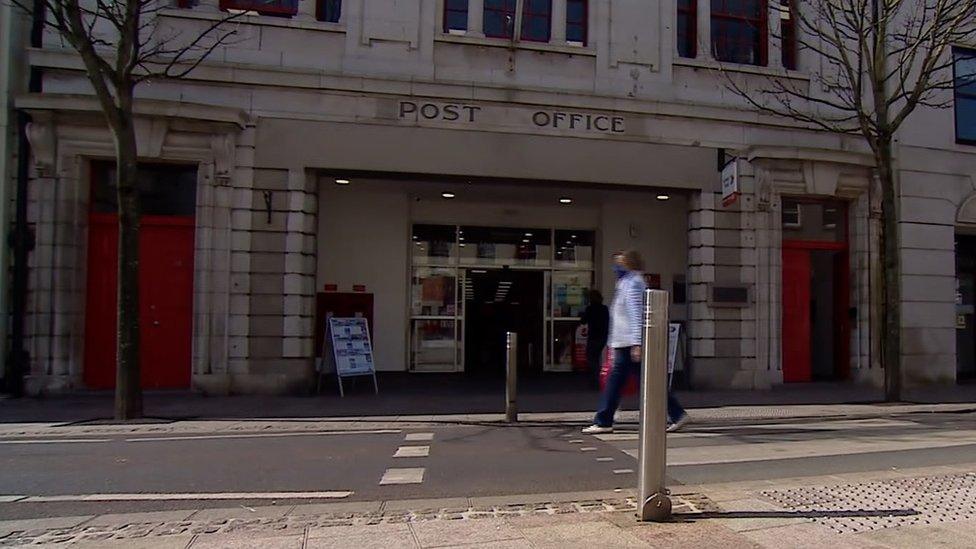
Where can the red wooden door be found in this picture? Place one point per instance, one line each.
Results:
(796, 316)
(165, 294)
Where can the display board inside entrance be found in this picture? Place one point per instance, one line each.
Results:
(352, 353)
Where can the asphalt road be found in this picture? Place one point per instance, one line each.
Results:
(463, 461)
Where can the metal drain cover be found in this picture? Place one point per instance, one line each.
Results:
(862, 507)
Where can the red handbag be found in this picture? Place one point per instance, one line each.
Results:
(630, 388)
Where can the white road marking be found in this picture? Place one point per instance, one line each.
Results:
(604, 459)
(56, 441)
(189, 496)
(763, 451)
(267, 435)
(622, 471)
(576, 441)
(11, 499)
(410, 475)
(417, 437)
(588, 449)
(868, 423)
(412, 452)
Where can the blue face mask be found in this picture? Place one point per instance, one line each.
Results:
(619, 271)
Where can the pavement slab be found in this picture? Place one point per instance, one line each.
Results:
(262, 542)
(691, 535)
(242, 512)
(379, 536)
(140, 518)
(581, 535)
(8, 527)
(445, 532)
(168, 542)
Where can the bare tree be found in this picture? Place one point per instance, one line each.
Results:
(122, 44)
(879, 61)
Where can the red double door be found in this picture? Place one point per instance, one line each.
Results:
(165, 301)
(799, 304)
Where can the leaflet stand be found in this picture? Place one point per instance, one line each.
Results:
(352, 352)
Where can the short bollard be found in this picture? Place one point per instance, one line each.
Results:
(655, 505)
(511, 372)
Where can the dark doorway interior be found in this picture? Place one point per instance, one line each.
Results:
(965, 305)
(497, 301)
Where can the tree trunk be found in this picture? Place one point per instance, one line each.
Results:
(891, 261)
(128, 387)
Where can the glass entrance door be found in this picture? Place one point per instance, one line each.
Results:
(544, 275)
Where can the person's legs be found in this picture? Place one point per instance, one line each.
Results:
(594, 360)
(675, 411)
(610, 399)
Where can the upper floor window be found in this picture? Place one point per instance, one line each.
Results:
(687, 28)
(537, 20)
(576, 16)
(739, 31)
(499, 19)
(964, 68)
(455, 15)
(788, 29)
(264, 7)
(329, 10)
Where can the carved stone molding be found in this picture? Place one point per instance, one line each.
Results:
(223, 154)
(150, 136)
(44, 144)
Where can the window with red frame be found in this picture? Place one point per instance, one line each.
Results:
(455, 15)
(536, 20)
(576, 15)
(739, 31)
(264, 7)
(788, 30)
(499, 20)
(687, 28)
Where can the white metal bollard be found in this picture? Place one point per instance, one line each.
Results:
(655, 505)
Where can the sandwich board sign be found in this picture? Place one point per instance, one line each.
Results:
(352, 353)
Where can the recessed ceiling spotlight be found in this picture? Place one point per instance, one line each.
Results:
(565, 200)
(342, 181)
(447, 194)
(663, 197)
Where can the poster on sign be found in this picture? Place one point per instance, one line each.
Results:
(730, 182)
(352, 352)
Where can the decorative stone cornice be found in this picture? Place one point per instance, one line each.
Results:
(37, 103)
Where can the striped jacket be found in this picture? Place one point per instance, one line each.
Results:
(627, 313)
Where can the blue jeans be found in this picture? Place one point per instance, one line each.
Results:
(623, 368)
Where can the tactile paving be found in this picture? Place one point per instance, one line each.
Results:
(863, 507)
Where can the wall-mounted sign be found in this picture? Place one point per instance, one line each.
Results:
(730, 182)
(492, 115)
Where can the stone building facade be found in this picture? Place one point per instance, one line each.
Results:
(323, 139)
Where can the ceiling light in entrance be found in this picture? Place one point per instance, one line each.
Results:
(447, 195)
(663, 197)
(565, 200)
(342, 181)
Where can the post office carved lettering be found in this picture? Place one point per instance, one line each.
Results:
(428, 111)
